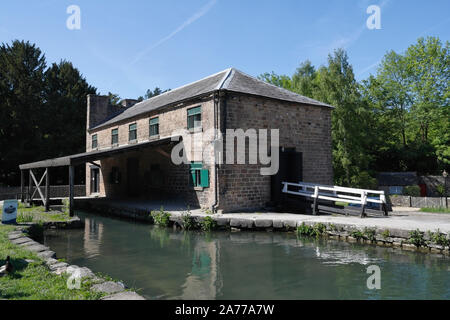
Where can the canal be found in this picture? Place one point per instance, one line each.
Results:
(162, 263)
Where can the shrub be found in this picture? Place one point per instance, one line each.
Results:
(319, 229)
(357, 234)
(416, 238)
(439, 238)
(187, 222)
(370, 234)
(160, 218)
(304, 230)
(440, 189)
(386, 234)
(311, 231)
(413, 191)
(208, 224)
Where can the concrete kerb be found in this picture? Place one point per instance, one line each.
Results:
(335, 230)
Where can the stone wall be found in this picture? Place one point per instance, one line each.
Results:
(419, 202)
(305, 128)
(171, 179)
(432, 182)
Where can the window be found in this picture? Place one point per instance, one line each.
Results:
(94, 141)
(154, 126)
(194, 118)
(132, 133)
(199, 176)
(395, 190)
(114, 137)
(114, 176)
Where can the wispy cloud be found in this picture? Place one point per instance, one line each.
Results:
(373, 65)
(204, 10)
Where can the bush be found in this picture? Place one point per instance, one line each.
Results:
(416, 238)
(208, 224)
(413, 191)
(370, 234)
(440, 189)
(160, 218)
(187, 222)
(357, 234)
(439, 238)
(314, 231)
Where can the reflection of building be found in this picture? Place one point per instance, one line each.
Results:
(93, 234)
(203, 282)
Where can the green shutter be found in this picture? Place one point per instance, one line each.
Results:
(196, 165)
(204, 178)
(194, 111)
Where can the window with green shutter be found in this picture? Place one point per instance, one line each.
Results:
(94, 141)
(194, 118)
(114, 137)
(199, 176)
(154, 126)
(132, 132)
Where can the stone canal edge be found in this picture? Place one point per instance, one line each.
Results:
(114, 290)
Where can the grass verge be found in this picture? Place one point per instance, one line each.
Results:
(37, 214)
(435, 210)
(34, 281)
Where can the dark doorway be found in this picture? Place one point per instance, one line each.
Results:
(133, 177)
(95, 180)
(290, 170)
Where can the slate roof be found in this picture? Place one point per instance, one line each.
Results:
(228, 80)
(397, 179)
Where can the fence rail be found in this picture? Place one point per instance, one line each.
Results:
(318, 192)
(55, 192)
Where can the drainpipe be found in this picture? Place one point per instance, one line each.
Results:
(219, 104)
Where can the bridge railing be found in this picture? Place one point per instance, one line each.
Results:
(337, 194)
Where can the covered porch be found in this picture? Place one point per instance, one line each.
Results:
(108, 183)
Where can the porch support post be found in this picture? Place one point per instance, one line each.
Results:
(30, 181)
(71, 179)
(22, 187)
(47, 189)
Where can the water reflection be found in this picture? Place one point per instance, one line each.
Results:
(93, 234)
(174, 264)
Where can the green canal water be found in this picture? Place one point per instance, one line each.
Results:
(168, 264)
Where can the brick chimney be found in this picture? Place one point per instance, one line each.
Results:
(126, 103)
(99, 109)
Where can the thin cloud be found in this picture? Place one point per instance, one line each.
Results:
(373, 65)
(345, 42)
(204, 10)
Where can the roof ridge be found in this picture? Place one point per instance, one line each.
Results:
(226, 78)
(283, 89)
(185, 85)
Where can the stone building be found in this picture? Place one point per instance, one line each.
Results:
(129, 147)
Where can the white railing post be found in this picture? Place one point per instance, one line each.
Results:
(316, 196)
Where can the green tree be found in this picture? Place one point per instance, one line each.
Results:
(65, 98)
(156, 92)
(22, 68)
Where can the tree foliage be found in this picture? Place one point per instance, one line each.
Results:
(42, 110)
(397, 120)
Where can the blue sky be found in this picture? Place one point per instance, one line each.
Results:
(129, 46)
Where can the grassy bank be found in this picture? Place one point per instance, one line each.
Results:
(33, 280)
(435, 210)
(37, 214)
